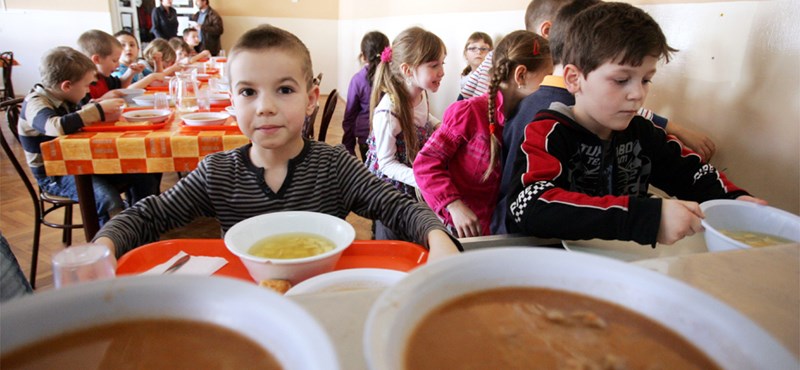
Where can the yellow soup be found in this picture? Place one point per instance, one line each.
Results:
(291, 245)
(754, 239)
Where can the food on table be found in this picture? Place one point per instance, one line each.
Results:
(539, 328)
(279, 285)
(145, 344)
(754, 239)
(291, 245)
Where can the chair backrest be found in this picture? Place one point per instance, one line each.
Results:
(308, 125)
(11, 108)
(7, 60)
(327, 114)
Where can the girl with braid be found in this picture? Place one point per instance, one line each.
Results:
(399, 111)
(458, 169)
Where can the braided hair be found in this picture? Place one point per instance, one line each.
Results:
(517, 48)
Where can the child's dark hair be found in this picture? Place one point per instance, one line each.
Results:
(523, 48)
(188, 30)
(96, 42)
(269, 37)
(64, 64)
(126, 33)
(475, 37)
(617, 32)
(372, 44)
(539, 11)
(414, 46)
(563, 21)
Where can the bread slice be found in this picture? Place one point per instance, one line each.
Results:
(279, 285)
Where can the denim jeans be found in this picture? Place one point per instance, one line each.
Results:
(106, 190)
(12, 281)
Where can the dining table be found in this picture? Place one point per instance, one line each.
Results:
(119, 148)
(763, 284)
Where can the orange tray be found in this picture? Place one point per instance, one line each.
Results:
(157, 88)
(387, 254)
(229, 125)
(112, 126)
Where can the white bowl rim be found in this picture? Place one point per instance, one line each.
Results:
(739, 203)
(130, 90)
(173, 285)
(244, 223)
(319, 283)
(217, 116)
(382, 314)
(161, 113)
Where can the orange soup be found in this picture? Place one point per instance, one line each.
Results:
(144, 344)
(533, 328)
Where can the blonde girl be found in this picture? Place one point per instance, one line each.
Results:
(399, 111)
(478, 45)
(458, 170)
(160, 57)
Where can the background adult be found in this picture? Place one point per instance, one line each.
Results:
(209, 25)
(165, 20)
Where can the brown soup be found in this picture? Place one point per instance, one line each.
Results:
(144, 344)
(536, 328)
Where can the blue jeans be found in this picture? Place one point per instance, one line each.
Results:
(106, 190)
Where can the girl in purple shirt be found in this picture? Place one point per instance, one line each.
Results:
(356, 114)
(458, 169)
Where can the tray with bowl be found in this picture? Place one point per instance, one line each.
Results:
(734, 224)
(134, 119)
(221, 316)
(214, 119)
(147, 100)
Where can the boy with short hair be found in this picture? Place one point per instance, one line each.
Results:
(52, 110)
(104, 51)
(588, 167)
(192, 38)
(273, 91)
(129, 57)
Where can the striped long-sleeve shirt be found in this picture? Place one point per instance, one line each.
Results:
(229, 187)
(45, 117)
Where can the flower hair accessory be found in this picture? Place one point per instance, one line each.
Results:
(386, 54)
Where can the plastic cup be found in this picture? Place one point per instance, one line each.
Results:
(160, 101)
(82, 263)
(204, 99)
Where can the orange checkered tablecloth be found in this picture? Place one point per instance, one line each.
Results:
(166, 150)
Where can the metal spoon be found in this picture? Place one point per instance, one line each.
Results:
(175, 266)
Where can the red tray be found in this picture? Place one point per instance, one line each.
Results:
(112, 126)
(387, 254)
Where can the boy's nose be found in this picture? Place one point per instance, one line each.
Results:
(266, 106)
(637, 92)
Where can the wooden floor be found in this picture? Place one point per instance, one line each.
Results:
(17, 218)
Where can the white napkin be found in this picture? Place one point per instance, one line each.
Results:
(197, 265)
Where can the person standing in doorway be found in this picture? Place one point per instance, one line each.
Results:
(165, 20)
(209, 26)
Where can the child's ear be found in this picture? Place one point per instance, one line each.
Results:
(520, 74)
(65, 85)
(572, 77)
(544, 29)
(407, 70)
(313, 99)
(95, 58)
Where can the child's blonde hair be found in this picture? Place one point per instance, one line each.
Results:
(475, 37)
(64, 64)
(168, 56)
(414, 47)
(517, 48)
(268, 37)
(177, 43)
(96, 42)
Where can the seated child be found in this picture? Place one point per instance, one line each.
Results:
(130, 56)
(192, 38)
(52, 110)
(105, 51)
(458, 169)
(588, 167)
(272, 84)
(184, 53)
(159, 56)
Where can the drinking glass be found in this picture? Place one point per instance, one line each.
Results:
(204, 99)
(160, 101)
(81, 263)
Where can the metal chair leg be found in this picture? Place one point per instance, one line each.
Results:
(67, 237)
(35, 253)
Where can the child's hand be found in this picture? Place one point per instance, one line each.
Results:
(112, 108)
(465, 221)
(747, 198)
(111, 94)
(204, 54)
(440, 246)
(679, 219)
(136, 68)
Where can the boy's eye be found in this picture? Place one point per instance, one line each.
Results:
(285, 90)
(247, 92)
(621, 81)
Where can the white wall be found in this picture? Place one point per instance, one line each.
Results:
(30, 33)
(736, 78)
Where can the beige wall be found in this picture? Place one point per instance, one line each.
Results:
(51, 5)
(307, 9)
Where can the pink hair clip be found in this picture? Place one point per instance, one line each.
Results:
(535, 47)
(386, 54)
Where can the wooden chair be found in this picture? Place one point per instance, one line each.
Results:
(308, 124)
(43, 203)
(327, 114)
(7, 61)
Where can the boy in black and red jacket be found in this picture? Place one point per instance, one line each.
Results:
(587, 167)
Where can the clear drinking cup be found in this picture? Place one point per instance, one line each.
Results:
(160, 101)
(81, 263)
(204, 99)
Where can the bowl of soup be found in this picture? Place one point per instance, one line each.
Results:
(291, 246)
(541, 308)
(734, 224)
(147, 115)
(158, 322)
